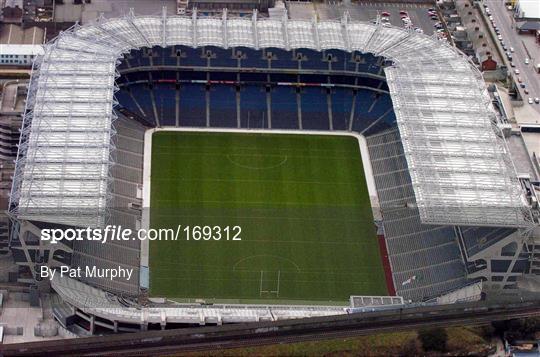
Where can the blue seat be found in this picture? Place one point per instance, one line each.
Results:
(253, 107)
(314, 108)
(142, 95)
(221, 57)
(311, 59)
(284, 108)
(192, 105)
(282, 58)
(190, 56)
(341, 108)
(251, 58)
(223, 106)
(165, 95)
(337, 58)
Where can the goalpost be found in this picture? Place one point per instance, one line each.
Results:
(269, 291)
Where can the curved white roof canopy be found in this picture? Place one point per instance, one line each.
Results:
(460, 168)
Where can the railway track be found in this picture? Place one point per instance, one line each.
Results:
(267, 333)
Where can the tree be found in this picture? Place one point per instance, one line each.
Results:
(433, 339)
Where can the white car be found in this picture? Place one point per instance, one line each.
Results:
(526, 61)
(511, 49)
(499, 37)
(530, 101)
(537, 100)
(516, 71)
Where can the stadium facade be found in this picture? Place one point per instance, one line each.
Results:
(453, 209)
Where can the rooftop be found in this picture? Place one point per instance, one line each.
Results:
(458, 161)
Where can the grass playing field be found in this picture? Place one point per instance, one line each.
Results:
(307, 232)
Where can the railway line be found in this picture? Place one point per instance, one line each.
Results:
(267, 333)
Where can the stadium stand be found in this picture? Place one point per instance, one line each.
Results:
(435, 131)
(428, 253)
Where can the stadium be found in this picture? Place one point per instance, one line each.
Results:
(365, 163)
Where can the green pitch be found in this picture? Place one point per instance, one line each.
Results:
(300, 200)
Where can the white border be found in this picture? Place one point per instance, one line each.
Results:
(145, 223)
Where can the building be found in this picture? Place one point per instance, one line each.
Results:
(12, 103)
(527, 9)
(16, 35)
(11, 11)
(485, 58)
(19, 55)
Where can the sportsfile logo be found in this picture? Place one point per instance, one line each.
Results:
(108, 233)
(118, 233)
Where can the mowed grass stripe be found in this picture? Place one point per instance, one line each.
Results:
(322, 248)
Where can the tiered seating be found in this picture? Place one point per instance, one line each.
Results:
(372, 111)
(429, 253)
(221, 57)
(312, 60)
(253, 58)
(191, 56)
(476, 239)
(342, 100)
(192, 105)
(253, 107)
(223, 106)
(314, 107)
(165, 95)
(282, 59)
(284, 108)
(127, 174)
(141, 93)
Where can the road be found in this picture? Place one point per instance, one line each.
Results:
(504, 21)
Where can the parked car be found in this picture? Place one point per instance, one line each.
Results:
(522, 85)
(530, 101)
(526, 61)
(512, 64)
(385, 14)
(537, 100)
(516, 71)
(519, 79)
(499, 37)
(526, 91)
(403, 12)
(511, 49)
